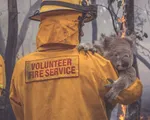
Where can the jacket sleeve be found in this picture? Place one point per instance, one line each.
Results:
(131, 94)
(15, 100)
(128, 95)
(2, 75)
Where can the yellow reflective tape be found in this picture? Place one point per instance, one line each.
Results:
(1, 86)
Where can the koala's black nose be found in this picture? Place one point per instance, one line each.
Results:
(125, 64)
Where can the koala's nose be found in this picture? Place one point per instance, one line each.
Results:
(125, 64)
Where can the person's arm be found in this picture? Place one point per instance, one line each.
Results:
(15, 99)
(131, 94)
(2, 75)
(128, 95)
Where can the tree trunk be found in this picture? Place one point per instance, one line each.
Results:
(2, 44)
(94, 30)
(94, 26)
(10, 54)
(25, 25)
(133, 110)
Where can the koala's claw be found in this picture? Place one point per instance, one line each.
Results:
(111, 83)
(110, 80)
(87, 47)
(114, 91)
(83, 47)
(80, 47)
(93, 50)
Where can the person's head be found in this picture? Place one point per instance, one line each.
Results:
(81, 9)
(56, 7)
(61, 21)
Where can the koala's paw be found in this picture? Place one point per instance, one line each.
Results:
(111, 95)
(116, 88)
(86, 47)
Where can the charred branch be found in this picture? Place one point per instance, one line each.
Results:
(10, 54)
(94, 26)
(2, 44)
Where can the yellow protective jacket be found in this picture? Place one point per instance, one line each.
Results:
(58, 83)
(2, 74)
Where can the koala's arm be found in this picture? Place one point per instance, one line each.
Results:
(128, 95)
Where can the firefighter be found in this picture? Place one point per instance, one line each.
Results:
(2, 75)
(57, 82)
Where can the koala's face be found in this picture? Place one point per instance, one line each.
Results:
(120, 58)
(119, 52)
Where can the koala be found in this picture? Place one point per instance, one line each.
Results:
(120, 52)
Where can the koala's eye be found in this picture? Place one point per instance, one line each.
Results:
(126, 56)
(116, 54)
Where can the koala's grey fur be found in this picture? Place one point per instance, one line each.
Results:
(119, 51)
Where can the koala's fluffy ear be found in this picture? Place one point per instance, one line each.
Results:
(102, 37)
(105, 41)
(131, 39)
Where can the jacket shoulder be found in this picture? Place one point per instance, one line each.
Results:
(103, 65)
(1, 58)
(21, 62)
(98, 59)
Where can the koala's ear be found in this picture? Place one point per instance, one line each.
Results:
(107, 42)
(131, 39)
(102, 37)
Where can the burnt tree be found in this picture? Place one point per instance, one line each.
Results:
(133, 110)
(10, 53)
(25, 25)
(94, 26)
(2, 44)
